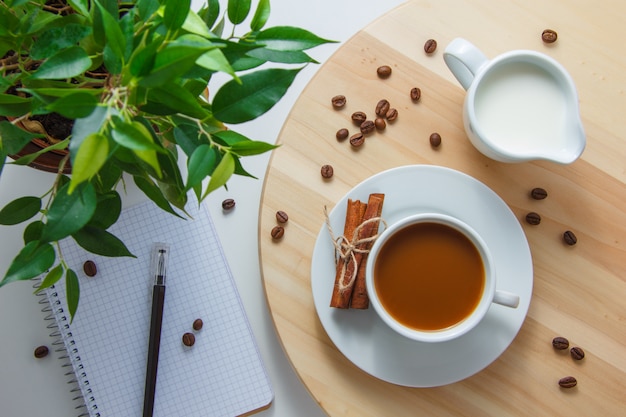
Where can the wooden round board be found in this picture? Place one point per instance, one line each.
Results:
(578, 290)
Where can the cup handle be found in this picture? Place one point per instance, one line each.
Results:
(506, 299)
(464, 59)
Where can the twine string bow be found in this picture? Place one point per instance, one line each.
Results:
(346, 250)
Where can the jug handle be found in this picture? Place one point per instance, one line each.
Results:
(464, 59)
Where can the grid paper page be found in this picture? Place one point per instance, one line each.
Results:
(221, 375)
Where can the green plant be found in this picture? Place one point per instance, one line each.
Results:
(131, 74)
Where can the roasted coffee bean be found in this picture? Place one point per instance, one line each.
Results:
(548, 36)
(560, 343)
(90, 269)
(382, 107)
(357, 139)
(430, 46)
(392, 115)
(41, 351)
(415, 93)
(384, 71)
(189, 339)
(277, 232)
(358, 117)
(228, 204)
(567, 382)
(342, 134)
(367, 127)
(281, 216)
(338, 101)
(533, 218)
(380, 123)
(570, 238)
(538, 193)
(197, 324)
(435, 140)
(577, 353)
(327, 171)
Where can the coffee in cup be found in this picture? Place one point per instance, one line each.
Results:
(431, 278)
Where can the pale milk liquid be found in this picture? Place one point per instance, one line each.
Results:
(521, 108)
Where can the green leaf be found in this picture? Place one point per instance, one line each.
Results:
(85, 126)
(108, 177)
(90, 157)
(210, 13)
(229, 137)
(51, 278)
(237, 54)
(194, 24)
(154, 193)
(146, 8)
(66, 64)
(112, 61)
(33, 231)
(74, 106)
(115, 42)
(19, 210)
(69, 212)
(175, 60)
(100, 242)
(171, 180)
(177, 98)
(142, 59)
(107, 211)
(133, 135)
(261, 15)
(222, 174)
(188, 138)
(200, 165)
(34, 259)
(239, 170)
(33, 23)
(45, 93)
(257, 93)
(12, 105)
(238, 10)
(214, 60)
(175, 13)
(284, 57)
(72, 290)
(218, 29)
(251, 147)
(81, 6)
(13, 139)
(29, 158)
(150, 157)
(56, 39)
(289, 38)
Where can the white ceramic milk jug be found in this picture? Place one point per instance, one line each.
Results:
(520, 106)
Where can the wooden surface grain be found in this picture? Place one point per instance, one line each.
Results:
(579, 291)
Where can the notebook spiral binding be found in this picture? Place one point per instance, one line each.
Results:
(64, 345)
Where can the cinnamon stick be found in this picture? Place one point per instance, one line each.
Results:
(360, 300)
(342, 294)
(354, 214)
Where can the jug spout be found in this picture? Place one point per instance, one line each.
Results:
(573, 146)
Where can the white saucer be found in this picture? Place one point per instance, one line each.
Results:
(372, 346)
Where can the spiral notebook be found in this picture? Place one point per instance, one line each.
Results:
(106, 345)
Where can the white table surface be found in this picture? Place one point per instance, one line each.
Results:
(31, 387)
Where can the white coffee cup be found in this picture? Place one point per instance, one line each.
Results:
(486, 296)
(521, 105)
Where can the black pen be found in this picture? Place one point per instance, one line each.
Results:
(159, 259)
